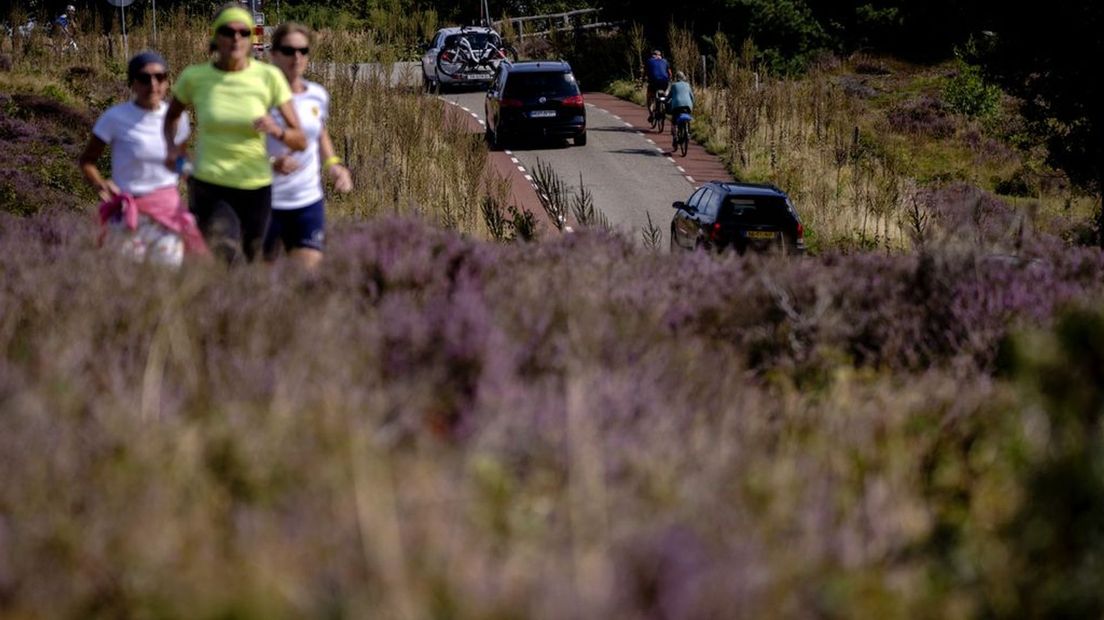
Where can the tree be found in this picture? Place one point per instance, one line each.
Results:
(1049, 56)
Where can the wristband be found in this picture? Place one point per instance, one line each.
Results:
(330, 161)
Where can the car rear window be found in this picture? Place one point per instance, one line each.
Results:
(544, 84)
(754, 210)
(478, 40)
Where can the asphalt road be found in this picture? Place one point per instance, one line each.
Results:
(628, 176)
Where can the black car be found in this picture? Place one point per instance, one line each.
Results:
(535, 99)
(738, 216)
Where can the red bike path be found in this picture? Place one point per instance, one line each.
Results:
(699, 165)
(522, 192)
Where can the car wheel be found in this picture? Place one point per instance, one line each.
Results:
(580, 140)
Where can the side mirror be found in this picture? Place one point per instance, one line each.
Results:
(678, 204)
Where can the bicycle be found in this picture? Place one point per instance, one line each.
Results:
(68, 46)
(658, 110)
(682, 132)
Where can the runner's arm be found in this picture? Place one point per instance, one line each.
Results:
(343, 181)
(87, 163)
(172, 119)
(292, 137)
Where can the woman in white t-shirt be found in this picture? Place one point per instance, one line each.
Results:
(298, 213)
(141, 200)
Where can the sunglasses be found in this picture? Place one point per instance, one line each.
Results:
(228, 32)
(288, 50)
(147, 78)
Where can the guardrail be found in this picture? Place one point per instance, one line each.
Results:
(554, 22)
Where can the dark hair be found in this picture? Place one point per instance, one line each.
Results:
(142, 59)
(286, 28)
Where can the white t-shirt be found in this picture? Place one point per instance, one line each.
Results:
(304, 186)
(138, 149)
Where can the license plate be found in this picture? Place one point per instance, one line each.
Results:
(542, 113)
(477, 76)
(761, 234)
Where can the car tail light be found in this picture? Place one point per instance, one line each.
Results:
(447, 57)
(800, 230)
(501, 54)
(715, 232)
(512, 103)
(574, 101)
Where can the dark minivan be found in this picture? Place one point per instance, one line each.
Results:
(535, 99)
(738, 216)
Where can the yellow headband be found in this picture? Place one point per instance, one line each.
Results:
(233, 14)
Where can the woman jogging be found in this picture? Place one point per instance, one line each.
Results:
(231, 188)
(141, 200)
(298, 217)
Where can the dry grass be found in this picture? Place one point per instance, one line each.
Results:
(409, 155)
(804, 136)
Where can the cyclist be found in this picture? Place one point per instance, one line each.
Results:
(658, 74)
(680, 98)
(64, 22)
(231, 187)
(65, 28)
(298, 216)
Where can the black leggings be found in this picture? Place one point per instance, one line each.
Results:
(233, 221)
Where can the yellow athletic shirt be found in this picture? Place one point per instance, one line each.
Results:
(229, 152)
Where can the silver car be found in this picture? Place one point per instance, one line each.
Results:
(463, 56)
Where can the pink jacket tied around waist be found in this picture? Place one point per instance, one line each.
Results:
(162, 206)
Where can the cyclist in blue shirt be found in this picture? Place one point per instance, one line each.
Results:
(65, 21)
(658, 74)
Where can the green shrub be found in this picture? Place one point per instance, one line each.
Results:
(969, 94)
(1055, 542)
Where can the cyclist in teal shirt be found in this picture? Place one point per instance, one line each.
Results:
(680, 99)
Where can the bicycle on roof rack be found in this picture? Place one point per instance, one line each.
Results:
(461, 60)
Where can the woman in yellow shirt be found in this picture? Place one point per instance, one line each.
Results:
(231, 185)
